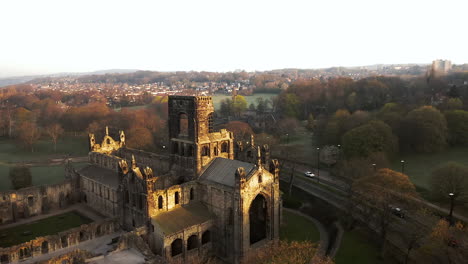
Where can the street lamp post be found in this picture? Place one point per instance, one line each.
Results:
(318, 165)
(402, 166)
(287, 138)
(339, 151)
(452, 197)
(374, 166)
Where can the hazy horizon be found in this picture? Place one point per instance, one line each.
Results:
(51, 36)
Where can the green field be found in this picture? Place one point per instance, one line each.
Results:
(419, 166)
(250, 99)
(356, 249)
(298, 228)
(11, 154)
(43, 150)
(48, 226)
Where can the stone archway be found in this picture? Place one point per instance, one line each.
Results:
(258, 219)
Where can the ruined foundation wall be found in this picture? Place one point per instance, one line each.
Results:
(65, 239)
(31, 201)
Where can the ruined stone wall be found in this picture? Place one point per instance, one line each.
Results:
(100, 197)
(221, 201)
(203, 249)
(65, 239)
(186, 193)
(264, 184)
(159, 163)
(36, 200)
(104, 160)
(248, 152)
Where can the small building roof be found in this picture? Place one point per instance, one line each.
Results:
(102, 175)
(223, 171)
(194, 213)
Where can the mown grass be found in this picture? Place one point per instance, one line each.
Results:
(298, 228)
(355, 248)
(43, 149)
(48, 226)
(419, 166)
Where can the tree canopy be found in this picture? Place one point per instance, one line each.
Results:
(375, 136)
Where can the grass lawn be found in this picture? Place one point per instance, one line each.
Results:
(419, 166)
(40, 175)
(250, 99)
(48, 226)
(296, 227)
(43, 149)
(355, 248)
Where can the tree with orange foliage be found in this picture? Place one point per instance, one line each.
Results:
(379, 193)
(54, 131)
(241, 130)
(28, 134)
(447, 244)
(139, 138)
(285, 252)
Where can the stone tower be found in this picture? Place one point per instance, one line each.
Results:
(194, 143)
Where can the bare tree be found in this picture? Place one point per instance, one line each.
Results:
(54, 131)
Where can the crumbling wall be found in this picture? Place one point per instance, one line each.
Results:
(46, 244)
(159, 163)
(31, 201)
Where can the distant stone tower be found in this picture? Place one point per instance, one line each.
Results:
(194, 143)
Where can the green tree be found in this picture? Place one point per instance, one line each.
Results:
(450, 177)
(310, 122)
(457, 123)
(239, 105)
(424, 130)
(20, 177)
(375, 136)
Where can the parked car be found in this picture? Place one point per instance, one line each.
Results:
(309, 174)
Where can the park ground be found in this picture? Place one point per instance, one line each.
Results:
(40, 161)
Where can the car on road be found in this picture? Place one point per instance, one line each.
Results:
(309, 174)
(398, 212)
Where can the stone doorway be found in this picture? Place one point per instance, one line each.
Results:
(258, 219)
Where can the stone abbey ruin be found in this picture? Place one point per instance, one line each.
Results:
(211, 196)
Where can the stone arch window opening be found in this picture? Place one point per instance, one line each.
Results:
(192, 194)
(192, 242)
(224, 147)
(4, 259)
(231, 217)
(160, 202)
(210, 123)
(205, 151)
(190, 151)
(64, 241)
(44, 247)
(108, 141)
(206, 237)
(249, 154)
(176, 198)
(176, 247)
(183, 124)
(175, 148)
(260, 178)
(30, 201)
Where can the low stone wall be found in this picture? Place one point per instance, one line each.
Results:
(36, 200)
(46, 244)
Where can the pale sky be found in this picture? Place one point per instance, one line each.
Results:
(49, 36)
